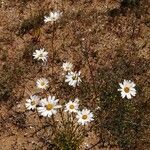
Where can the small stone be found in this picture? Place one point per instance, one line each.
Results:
(18, 106)
(30, 127)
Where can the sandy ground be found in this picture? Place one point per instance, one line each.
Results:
(100, 28)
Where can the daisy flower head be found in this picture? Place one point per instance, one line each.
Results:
(42, 83)
(67, 66)
(32, 102)
(53, 16)
(127, 89)
(48, 107)
(84, 117)
(72, 106)
(40, 54)
(73, 78)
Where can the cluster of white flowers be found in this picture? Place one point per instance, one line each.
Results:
(85, 116)
(47, 107)
(73, 78)
(127, 89)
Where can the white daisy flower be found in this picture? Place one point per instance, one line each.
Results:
(72, 106)
(48, 107)
(127, 89)
(53, 16)
(32, 102)
(67, 66)
(42, 83)
(84, 116)
(40, 54)
(73, 78)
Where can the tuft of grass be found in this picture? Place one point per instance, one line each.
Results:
(19, 120)
(121, 117)
(29, 49)
(130, 3)
(33, 23)
(11, 74)
(67, 141)
(6, 84)
(124, 6)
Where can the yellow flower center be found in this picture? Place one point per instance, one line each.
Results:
(33, 103)
(71, 106)
(41, 55)
(84, 117)
(49, 106)
(74, 77)
(42, 83)
(67, 68)
(126, 89)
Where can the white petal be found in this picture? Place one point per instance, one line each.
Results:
(121, 85)
(123, 94)
(128, 96)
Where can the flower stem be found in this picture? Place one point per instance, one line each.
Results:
(52, 44)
